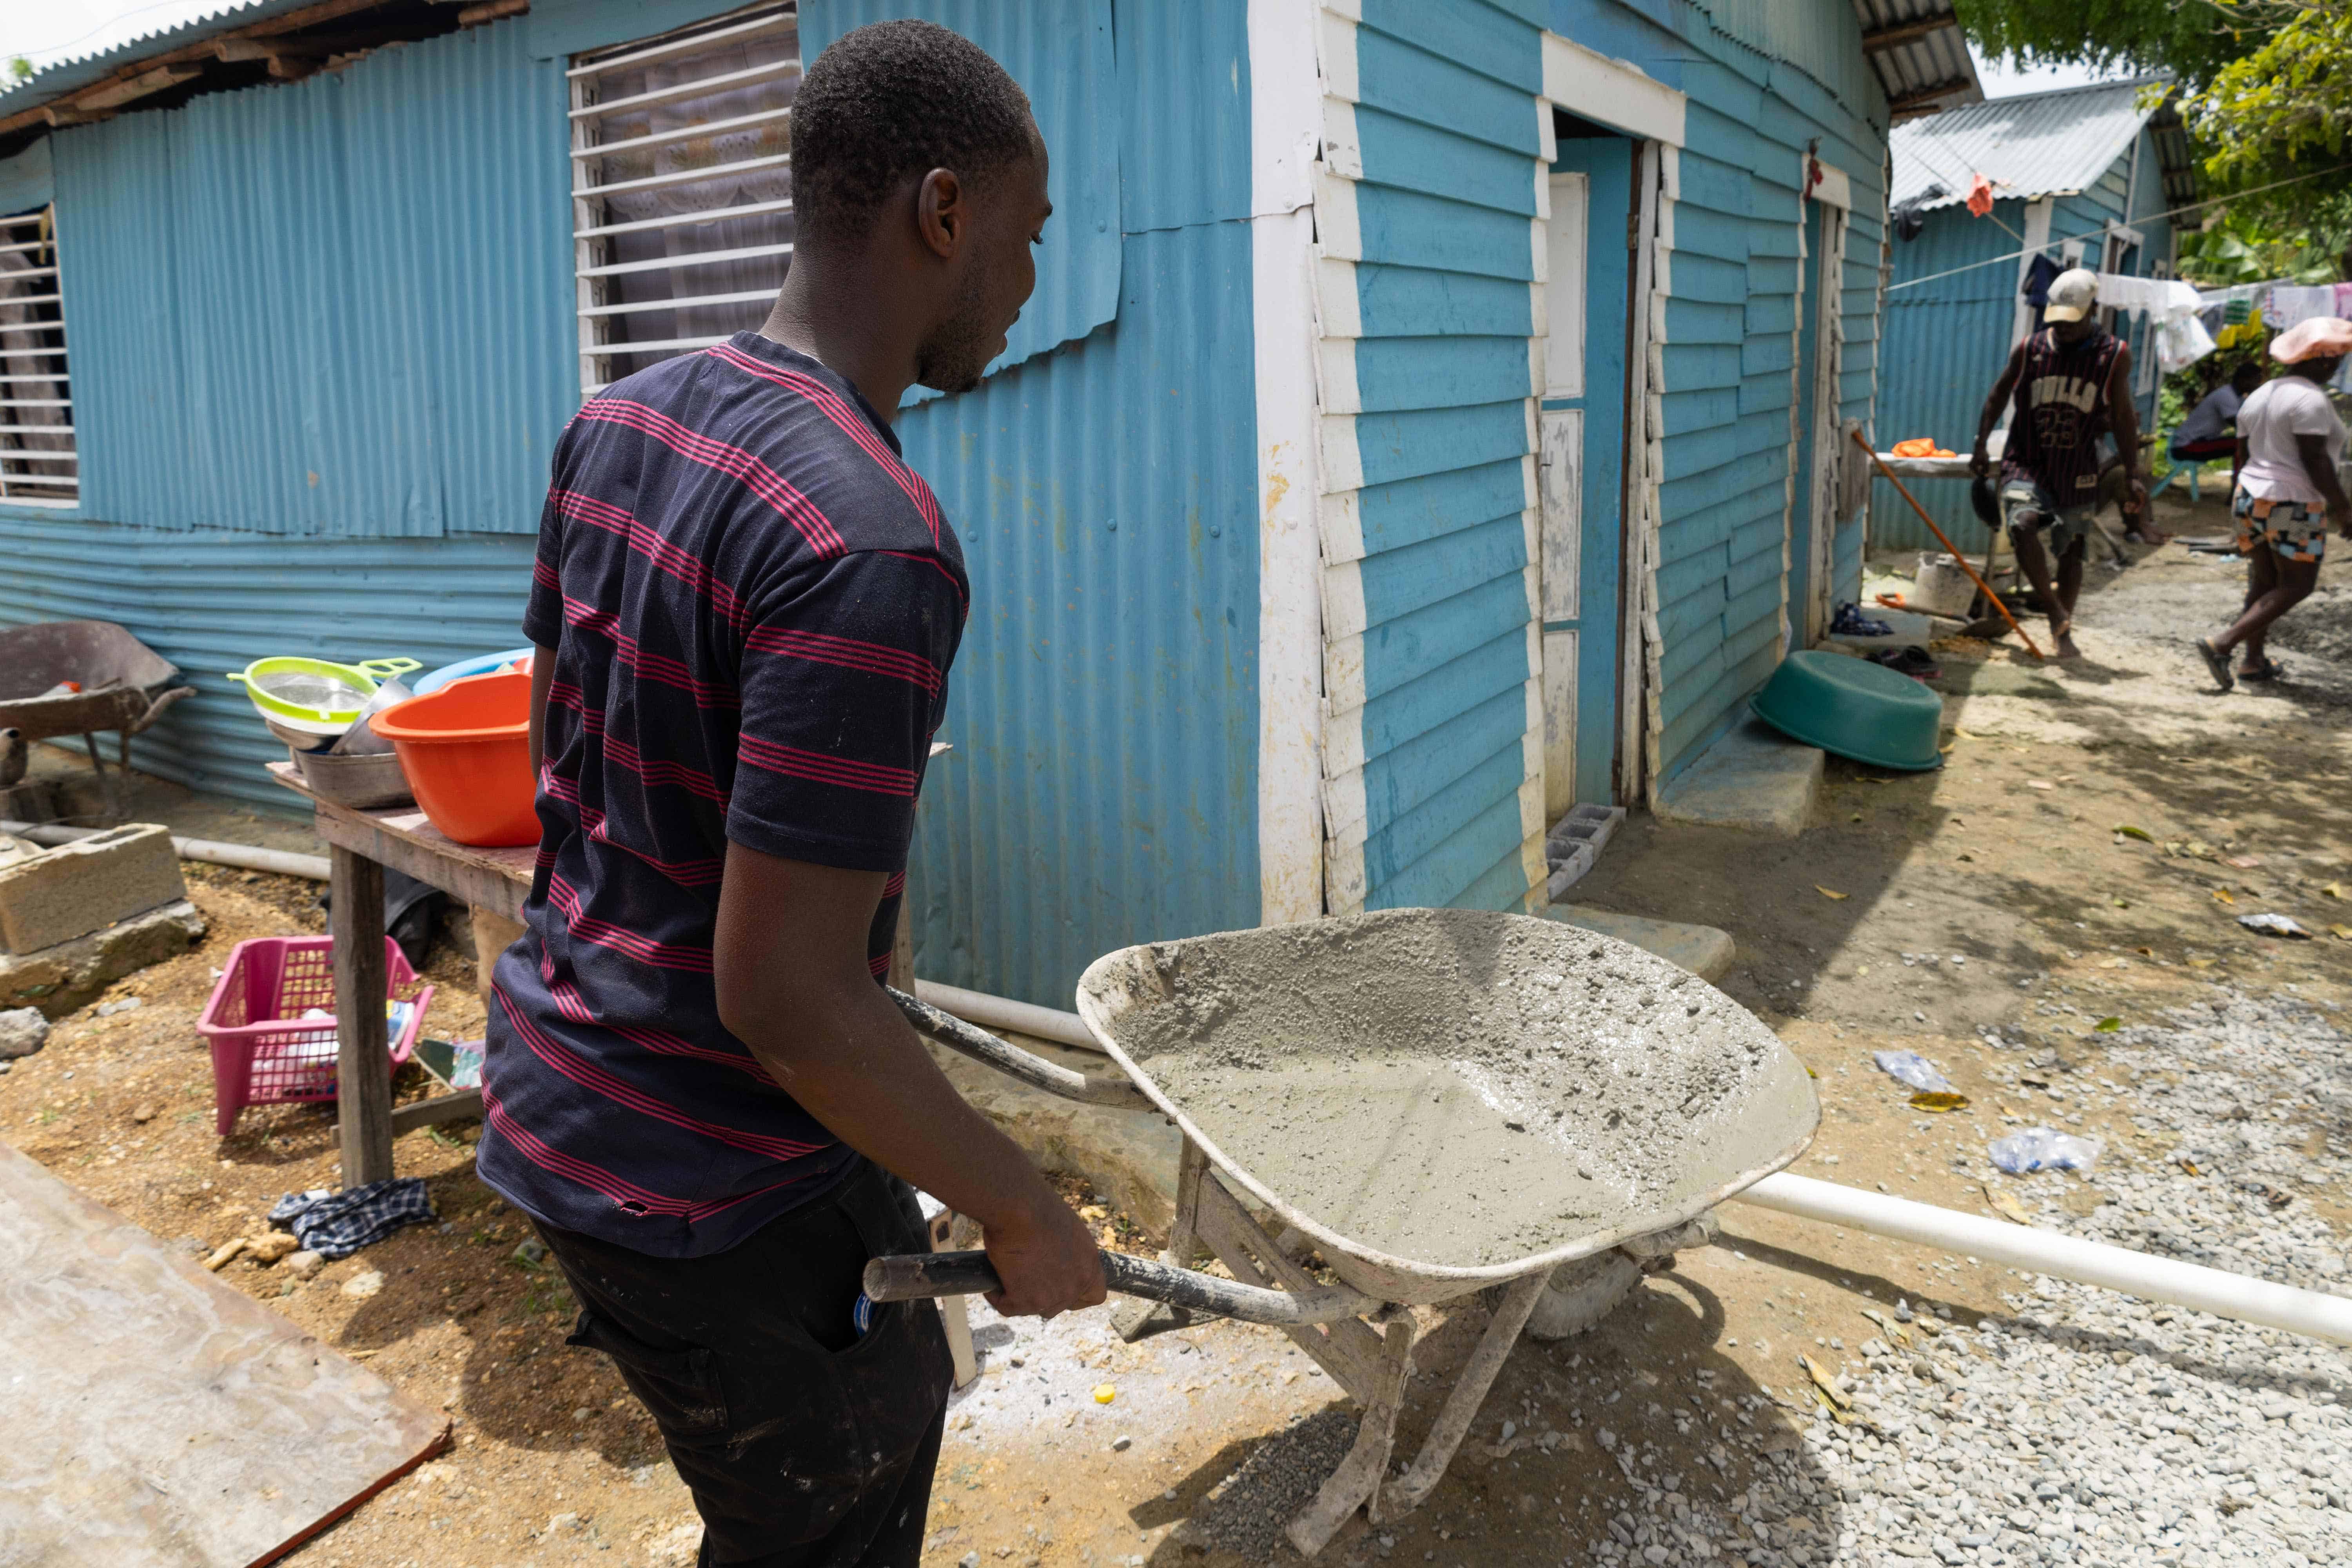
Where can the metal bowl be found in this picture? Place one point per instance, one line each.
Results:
(1855, 709)
(368, 782)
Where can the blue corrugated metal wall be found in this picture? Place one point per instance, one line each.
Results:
(1103, 786)
(341, 306)
(1727, 347)
(1951, 336)
(1062, 53)
(1432, 642)
(1104, 709)
(211, 600)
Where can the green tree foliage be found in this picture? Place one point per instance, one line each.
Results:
(2192, 41)
(2247, 244)
(2288, 103)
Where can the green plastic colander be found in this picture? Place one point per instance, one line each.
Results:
(313, 696)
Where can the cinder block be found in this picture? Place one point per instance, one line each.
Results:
(75, 889)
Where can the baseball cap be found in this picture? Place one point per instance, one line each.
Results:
(2072, 295)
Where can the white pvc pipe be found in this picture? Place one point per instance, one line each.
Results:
(2060, 1257)
(1004, 1013)
(244, 856)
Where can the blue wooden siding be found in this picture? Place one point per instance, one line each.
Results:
(1728, 350)
(1436, 710)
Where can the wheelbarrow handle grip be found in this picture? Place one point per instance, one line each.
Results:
(918, 1276)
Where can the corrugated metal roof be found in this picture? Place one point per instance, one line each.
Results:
(2036, 144)
(61, 76)
(1920, 65)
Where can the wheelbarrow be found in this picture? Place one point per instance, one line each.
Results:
(1437, 1102)
(125, 687)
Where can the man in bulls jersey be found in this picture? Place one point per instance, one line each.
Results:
(2065, 387)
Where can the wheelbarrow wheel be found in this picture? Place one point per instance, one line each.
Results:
(1579, 1295)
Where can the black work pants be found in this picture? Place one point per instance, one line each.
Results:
(805, 1444)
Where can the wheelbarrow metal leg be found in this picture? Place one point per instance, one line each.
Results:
(1357, 1482)
(1138, 1320)
(1409, 1490)
(1345, 1348)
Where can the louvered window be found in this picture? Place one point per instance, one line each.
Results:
(37, 466)
(682, 187)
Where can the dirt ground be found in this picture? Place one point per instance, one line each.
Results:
(2082, 856)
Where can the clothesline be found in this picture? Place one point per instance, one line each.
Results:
(2057, 240)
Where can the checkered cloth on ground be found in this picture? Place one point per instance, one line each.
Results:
(336, 1224)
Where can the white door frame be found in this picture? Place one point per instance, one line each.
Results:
(1815, 510)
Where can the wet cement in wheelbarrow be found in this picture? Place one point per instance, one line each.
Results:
(1465, 1088)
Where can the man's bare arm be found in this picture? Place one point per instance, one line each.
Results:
(1997, 400)
(793, 987)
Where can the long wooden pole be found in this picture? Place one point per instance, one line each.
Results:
(1948, 545)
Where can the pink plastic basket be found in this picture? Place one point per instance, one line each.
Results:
(264, 1051)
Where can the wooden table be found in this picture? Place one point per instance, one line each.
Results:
(360, 844)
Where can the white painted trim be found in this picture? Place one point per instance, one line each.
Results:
(1833, 186)
(1286, 102)
(1642, 651)
(1337, 234)
(1341, 525)
(1611, 93)
(1335, 33)
(1343, 152)
(1338, 311)
(1343, 465)
(1335, 375)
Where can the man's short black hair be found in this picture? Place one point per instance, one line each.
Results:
(890, 102)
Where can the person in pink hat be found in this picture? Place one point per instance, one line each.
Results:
(2290, 441)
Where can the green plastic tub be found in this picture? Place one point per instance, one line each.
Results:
(1855, 709)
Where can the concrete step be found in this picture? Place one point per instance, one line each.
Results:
(1753, 778)
(1705, 951)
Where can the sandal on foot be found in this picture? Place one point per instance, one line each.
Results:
(2267, 668)
(2217, 661)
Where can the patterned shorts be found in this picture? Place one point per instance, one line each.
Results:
(2295, 529)
(2026, 506)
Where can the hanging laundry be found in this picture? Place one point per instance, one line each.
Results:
(2181, 340)
(2251, 330)
(1979, 195)
(2294, 303)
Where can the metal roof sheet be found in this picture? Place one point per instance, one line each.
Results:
(2036, 144)
(61, 76)
(1920, 64)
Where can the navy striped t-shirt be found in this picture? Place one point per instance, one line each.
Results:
(753, 604)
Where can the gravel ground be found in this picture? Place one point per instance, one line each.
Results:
(2085, 1426)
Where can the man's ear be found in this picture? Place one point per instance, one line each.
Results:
(943, 214)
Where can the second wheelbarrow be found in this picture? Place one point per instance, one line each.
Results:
(1436, 1102)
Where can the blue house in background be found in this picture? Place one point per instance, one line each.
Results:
(2084, 176)
(1430, 415)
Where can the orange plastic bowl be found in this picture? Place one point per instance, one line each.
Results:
(466, 749)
